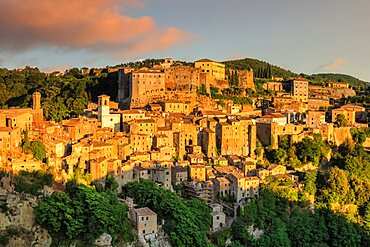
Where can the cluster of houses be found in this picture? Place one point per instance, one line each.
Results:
(161, 130)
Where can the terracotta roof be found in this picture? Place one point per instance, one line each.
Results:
(144, 211)
(5, 129)
(206, 60)
(274, 115)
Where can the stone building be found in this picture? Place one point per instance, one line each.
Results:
(243, 187)
(236, 136)
(10, 140)
(245, 78)
(215, 69)
(352, 113)
(218, 217)
(299, 89)
(209, 142)
(144, 220)
(268, 133)
(177, 106)
(162, 176)
(203, 190)
(105, 117)
(182, 78)
(315, 118)
(338, 84)
(137, 88)
(221, 187)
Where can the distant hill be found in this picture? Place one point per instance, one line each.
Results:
(353, 81)
(255, 64)
(319, 79)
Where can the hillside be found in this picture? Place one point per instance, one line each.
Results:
(276, 71)
(255, 64)
(353, 81)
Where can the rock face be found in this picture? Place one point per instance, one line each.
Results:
(105, 240)
(17, 222)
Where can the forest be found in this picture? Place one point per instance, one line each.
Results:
(62, 96)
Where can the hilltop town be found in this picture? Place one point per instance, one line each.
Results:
(195, 130)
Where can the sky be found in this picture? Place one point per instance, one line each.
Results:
(304, 36)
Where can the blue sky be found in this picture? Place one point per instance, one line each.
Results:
(303, 36)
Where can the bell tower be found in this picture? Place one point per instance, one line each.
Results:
(36, 100)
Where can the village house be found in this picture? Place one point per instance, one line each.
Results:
(144, 220)
(218, 217)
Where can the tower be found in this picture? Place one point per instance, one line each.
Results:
(103, 106)
(36, 100)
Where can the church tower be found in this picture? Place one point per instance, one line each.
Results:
(103, 106)
(36, 101)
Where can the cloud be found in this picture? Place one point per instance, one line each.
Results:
(93, 25)
(61, 68)
(335, 64)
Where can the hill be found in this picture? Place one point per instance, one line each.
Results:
(276, 71)
(353, 81)
(256, 65)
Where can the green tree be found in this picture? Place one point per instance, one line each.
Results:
(186, 223)
(83, 214)
(341, 120)
(110, 183)
(38, 150)
(337, 186)
(239, 231)
(367, 217)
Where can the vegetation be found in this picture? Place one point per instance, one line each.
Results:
(7, 234)
(309, 150)
(37, 148)
(62, 96)
(186, 222)
(202, 90)
(341, 121)
(359, 135)
(230, 94)
(261, 69)
(354, 82)
(264, 69)
(32, 182)
(82, 214)
(286, 223)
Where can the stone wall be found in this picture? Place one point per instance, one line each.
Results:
(341, 134)
(17, 214)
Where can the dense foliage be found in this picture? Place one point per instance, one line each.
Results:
(309, 150)
(62, 96)
(287, 223)
(261, 69)
(186, 222)
(82, 214)
(32, 182)
(353, 81)
(233, 94)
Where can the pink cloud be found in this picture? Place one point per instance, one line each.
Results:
(61, 68)
(96, 25)
(335, 64)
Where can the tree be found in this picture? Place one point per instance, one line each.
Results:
(277, 156)
(186, 223)
(110, 183)
(367, 216)
(239, 231)
(341, 120)
(83, 214)
(337, 185)
(26, 145)
(38, 150)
